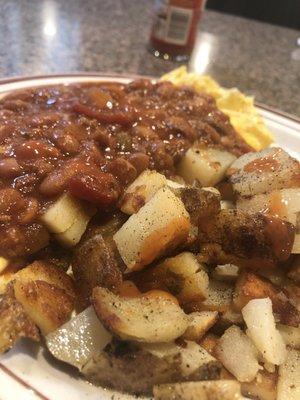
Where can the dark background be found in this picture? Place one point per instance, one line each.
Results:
(280, 12)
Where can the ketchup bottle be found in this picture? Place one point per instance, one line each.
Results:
(174, 28)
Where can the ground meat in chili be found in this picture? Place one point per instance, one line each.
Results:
(93, 139)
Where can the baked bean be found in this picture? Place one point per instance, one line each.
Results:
(97, 187)
(9, 168)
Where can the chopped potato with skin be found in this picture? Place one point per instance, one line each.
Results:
(62, 214)
(4, 262)
(288, 387)
(219, 297)
(284, 203)
(226, 272)
(182, 276)
(205, 165)
(193, 358)
(200, 323)
(73, 234)
(238, 354)
(262, 331)
(263, 387)
(290, 335)
(79, 339)
(251, 286)
(195, 287)
(125, 366)
(207, 390)
(294, 272)
(160, 225)
(247, 240)
(296, 245)
(263, 172)
(14, 321)
(141, 190)
(147, 318)
(46, 293)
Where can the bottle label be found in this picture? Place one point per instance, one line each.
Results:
(173, 22)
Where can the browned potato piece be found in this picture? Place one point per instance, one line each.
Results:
(253, 241)
(158, 227)
(14, 322)
(47, 305)
(200, 323)
(146, 318)
(199, 203)
(209, 343)
(262, 387)
(183, 276)
(46, 293)
(135, 367)
(251, 286)
(294, 272)
(94, 264)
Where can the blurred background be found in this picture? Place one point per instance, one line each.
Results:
(254, 45)
(281, 12)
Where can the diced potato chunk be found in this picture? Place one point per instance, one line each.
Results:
(294, 272)
(193, 356)
(195, 287)
(238, 354)
(61, 215)
(200, 323)
(79, 339)
(262, 331)
(47, 295)
(141, 190)
(288, 387)
(182, 276)
(67, 218)
(226, 272)
(206, 165)
(263, 387)
(73, 234)
(296, 245)
(146, 319)
(184, 264)
(290, 335)
(4, 262)
(265, 171)
(206, 390)
(219, 297)
(161, 224)
(284, 203)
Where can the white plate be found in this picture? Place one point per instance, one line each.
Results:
(26, 371)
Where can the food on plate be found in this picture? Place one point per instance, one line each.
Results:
(217, 390)
(126, 365)
(146, 242)
(240, 108)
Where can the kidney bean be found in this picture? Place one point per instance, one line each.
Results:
(140, 161)
(96, 187)
(123, 170)
(57, 180)
(32, 149)
(66, 142)
(30, 212)
(110, 117)
(9, 168)
(11, 201)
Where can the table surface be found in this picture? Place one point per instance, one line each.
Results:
(47, 36)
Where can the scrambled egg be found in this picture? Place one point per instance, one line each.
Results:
(240, 108)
